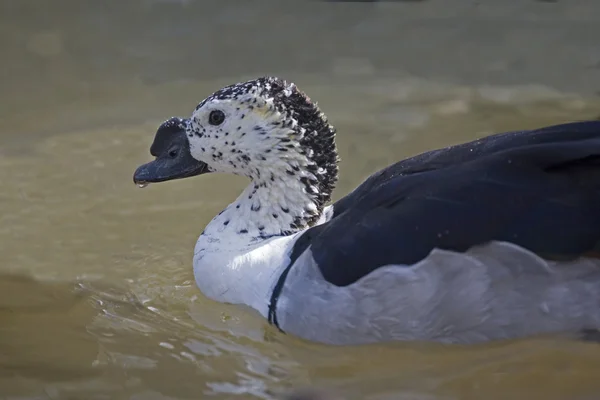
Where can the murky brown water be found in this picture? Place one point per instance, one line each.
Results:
(97, 298)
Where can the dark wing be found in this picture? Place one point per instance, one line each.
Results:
(537, 189)
(469, 151)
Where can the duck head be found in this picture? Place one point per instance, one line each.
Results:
(264, 129)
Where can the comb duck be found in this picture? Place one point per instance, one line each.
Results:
(493, 239)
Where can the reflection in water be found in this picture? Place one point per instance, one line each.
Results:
(97, 297)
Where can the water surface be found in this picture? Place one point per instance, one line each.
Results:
(97, 298)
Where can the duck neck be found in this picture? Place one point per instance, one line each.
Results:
(243, 251)
(274, 206)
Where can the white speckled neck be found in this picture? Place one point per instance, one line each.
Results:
(241, 253)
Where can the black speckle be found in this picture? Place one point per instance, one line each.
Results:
(242, 116)
(285, 209)
(226, 223)
(275, 216)
(318, 144)
(261, 228)
(255, 207)
(243, 231)
(285, 140)
(233, 143)
(243, 134)
(296, 168)
(203, 149)
(233, 150)
(272, 178)
(262, 158)
(226, 142)
(267, 150)
(292, 173)
(237, 206)
(246, 158)
(226, 133)
(239, 127)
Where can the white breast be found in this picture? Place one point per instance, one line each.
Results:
(241, 273)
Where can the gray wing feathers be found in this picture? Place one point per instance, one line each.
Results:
(494, 291)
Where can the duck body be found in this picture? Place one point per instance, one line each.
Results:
(493, 239)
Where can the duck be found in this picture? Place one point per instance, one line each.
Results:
(493, 239)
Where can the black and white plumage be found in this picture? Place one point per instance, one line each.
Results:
(495, 238)
(538, 189)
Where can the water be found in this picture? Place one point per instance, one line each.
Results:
(97, 298)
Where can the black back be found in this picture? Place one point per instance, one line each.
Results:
(538, 189)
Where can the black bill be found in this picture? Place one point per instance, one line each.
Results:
(173, 158)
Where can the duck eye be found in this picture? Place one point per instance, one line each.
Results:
(216, 117)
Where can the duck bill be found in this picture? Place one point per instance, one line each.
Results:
(162, 170)
(173, 159)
